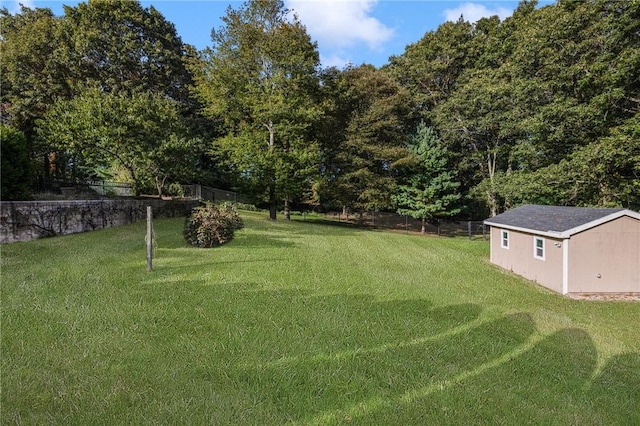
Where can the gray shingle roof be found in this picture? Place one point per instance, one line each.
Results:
(549, 218)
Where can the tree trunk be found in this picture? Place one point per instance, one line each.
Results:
(46, 173)
(134, 181)
(160, 185)
(273, 202)
(287, 211)
(492, 200)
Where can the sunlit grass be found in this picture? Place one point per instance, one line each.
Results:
(303, 323)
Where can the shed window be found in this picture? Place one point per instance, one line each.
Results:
(538, 248)
(504, 241)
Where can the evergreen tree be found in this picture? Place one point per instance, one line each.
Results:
(429, 191)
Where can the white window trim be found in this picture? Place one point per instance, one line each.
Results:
(535, 248)
(504, 232)
(565, 267)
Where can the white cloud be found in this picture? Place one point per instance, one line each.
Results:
(337, 60)
(14, 6)
(472, 12)
(341, 23)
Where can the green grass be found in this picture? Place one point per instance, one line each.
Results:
(302, 323)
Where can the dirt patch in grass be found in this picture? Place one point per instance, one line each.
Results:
(630, 297)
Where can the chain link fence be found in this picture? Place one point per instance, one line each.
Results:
(207, 193)
(470, 228)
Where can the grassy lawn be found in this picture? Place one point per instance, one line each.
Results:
(302, 323)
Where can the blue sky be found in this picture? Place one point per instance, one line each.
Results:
(347, 31)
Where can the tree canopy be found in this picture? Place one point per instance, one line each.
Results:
(533, 99)
(15, 168)
(374, 139)
(259, 77)
(428, 191)
(140, 134)
(541, 107)
(100, 53)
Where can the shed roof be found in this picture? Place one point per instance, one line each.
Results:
(556, 220)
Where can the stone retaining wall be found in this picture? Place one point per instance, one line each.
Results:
(27, 220)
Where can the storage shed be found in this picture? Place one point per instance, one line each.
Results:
(570, 249)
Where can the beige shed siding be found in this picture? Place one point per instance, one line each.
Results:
(519, 258)
(606, 258)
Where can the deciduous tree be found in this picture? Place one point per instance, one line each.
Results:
(123, 47)
(141, 133)
(375, 139)
(15, 168)
(260, 76)
(118, 46)
(32, 75)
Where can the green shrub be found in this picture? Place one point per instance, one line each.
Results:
(174, 190)
(210, 225)
(245, 206)
(16, 166)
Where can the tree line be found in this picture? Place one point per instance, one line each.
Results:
(470, 120)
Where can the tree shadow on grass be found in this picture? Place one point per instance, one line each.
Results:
(300, 323)
(287, 323)
(616, 390)
(301, 228)
(181, 256)
(289, 356)
(337, 383)
(254, 240)
(297, 355)
(352, 226)
(175, 263)
(361, 361)
(261, 240)
(549, 382)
